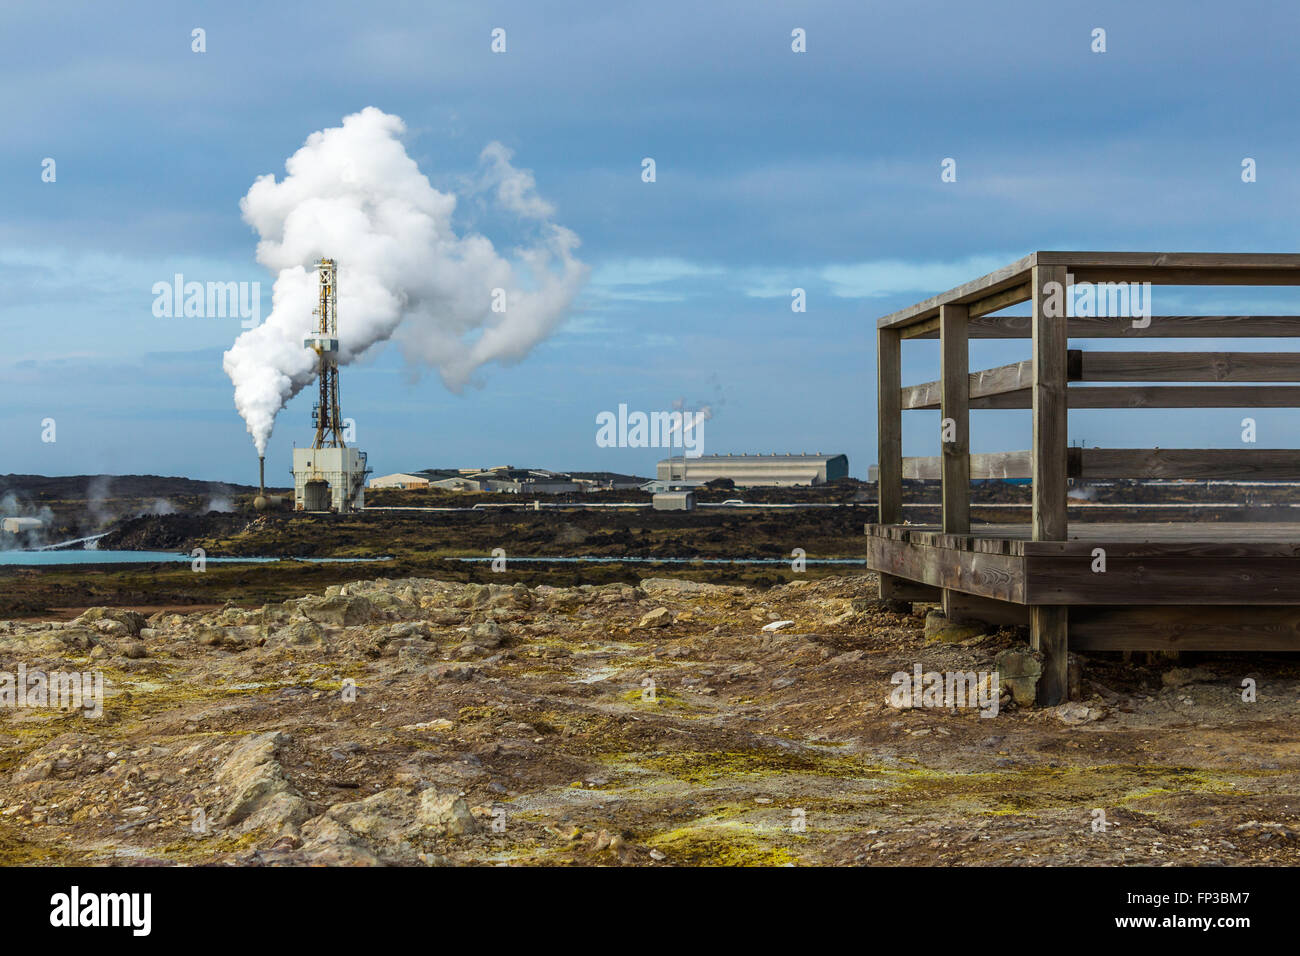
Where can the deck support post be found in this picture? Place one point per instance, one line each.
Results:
(954, 377)
(1048, 625)
(889, 403)
(889, 436)
(1049, 635)
(954, 426)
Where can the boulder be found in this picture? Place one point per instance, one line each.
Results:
(341, 611)
(659, 617)
(258, 795)
(1018, 671)
(487, 634)
(130, 620)
(445, 813)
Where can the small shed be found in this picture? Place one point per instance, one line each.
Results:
(673, 501)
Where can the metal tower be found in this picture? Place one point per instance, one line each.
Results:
(326, 415)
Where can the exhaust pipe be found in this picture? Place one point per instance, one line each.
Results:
(262, 502)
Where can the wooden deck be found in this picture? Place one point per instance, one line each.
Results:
(1187, 586)
(1103, 585)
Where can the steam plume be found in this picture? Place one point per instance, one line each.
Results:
(353, 194)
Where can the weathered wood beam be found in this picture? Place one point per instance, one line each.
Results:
(1186, 396)
(1161, 579)
(954, 371)
(1177, 268)
(1189, 276)
(1259, 464)
(969, 607)
(1001, 300)
(900, 589)
(1121, 327)
(998, 576)
(977, 289)
(999, 464)
(1050, 376)
(981, 384)
(1049, 635)
(924, 397)
(1240, 628)
(1190, 367)
(889, 482)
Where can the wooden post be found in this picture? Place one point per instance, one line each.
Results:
(889, 405)
(954, 378)
(1048, 623)
(1051, 338)
(889, 433)
(954, 426)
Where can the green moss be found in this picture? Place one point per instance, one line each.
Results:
(712, 843)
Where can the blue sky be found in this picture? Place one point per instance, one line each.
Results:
(774, 170)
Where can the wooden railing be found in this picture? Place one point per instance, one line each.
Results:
(1052, 380)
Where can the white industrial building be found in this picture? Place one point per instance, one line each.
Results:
(754, 471)
(399, 480)
(21, 525)
(329, 479)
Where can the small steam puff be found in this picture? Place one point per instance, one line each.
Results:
(353, 194)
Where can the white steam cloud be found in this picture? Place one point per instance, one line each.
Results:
(351, 193)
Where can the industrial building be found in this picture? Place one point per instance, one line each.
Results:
(400, 480)
(753, 471)
(673, 501)
(21, 525)
(328, 476)
(506, 479)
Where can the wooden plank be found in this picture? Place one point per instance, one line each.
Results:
(983, 465)
(889, 487)
(1258, 464)
(929, 328)
(900, 589)
(1185, 396)
(1159, 579)
(1190, 367)
(997, 281)
(1223, 261)
(987, 382)
(1189, 276)
(1121, 327)
(954, 371)
(969, 607)
(1049, 635)
(1210, 544)
(1268, 536)
(987, 575)
(1246, 535)
(1166, 268)
(1229, 628)
(1001, 300)
(921, 397)
(1177, 268)
(1050, 521)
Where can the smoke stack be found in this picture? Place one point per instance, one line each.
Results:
(261, 476)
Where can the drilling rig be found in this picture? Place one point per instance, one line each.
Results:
(328, 476)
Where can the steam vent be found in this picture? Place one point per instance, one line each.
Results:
(328, 476)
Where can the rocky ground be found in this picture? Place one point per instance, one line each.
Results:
(668, 722)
